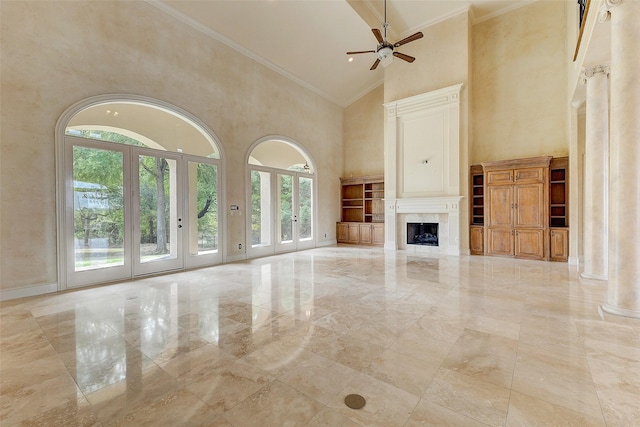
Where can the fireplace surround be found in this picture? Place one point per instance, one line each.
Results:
(423, 165)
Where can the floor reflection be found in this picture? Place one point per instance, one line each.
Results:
(281, 340)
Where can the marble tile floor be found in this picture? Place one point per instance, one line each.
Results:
(280, 341)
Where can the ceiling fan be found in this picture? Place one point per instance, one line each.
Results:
(384, 48)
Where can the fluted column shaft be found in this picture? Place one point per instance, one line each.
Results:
(596, 184)
(623, 295)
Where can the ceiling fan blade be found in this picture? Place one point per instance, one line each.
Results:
(361, 51)
(403, 56)
(378, 34)
(375, 65)
(411, 38)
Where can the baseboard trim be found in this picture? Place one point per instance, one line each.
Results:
(28, 291)
(326, 243)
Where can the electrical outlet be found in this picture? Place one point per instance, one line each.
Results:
(325, 235)
(239, 245)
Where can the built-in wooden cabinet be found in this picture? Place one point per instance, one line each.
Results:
(362, 210)
(353, 235)
(377, 233)
(519, 208)
(365, 234)
(476, 192)
(476, 239)
(559, 244)
(342, 232)
(516, 208)
(559, 209)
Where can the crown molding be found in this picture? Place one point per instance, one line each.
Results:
(502, 11)
(364, 92)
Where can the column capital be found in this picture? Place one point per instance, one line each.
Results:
(589, 72)
(605, 11)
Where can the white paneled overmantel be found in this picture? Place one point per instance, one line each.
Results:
(422, 166)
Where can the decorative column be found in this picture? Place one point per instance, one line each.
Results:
(596, 183)
(623, 297)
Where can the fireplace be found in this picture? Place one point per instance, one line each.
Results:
(422, 233)
(424, 159)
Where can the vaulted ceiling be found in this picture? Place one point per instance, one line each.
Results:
(307, 40)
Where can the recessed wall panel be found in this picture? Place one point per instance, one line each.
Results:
(422, 144)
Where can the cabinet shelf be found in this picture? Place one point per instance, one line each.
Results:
(476, 191)
(558, 188)
(362, 210)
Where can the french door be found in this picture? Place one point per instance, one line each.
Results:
(132, 211)
(282, 211)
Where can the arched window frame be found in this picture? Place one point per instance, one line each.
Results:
(61, 166)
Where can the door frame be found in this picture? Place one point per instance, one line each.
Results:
(132, 266)
(62, 162)
(296, 243)
(195, 261)
(66, 262)
(172, 264)
(275, 247)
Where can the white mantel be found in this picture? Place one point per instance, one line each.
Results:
(422, 166)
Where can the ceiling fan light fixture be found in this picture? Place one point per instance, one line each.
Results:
(385, 52)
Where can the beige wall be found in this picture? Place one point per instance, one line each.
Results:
(56, 53)
(442, 59)
(364, 135)
(519, 98)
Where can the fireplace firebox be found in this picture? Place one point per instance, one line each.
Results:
(422, 233)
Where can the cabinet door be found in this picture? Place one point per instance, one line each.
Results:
(500, 177)
(559, 245)
(529, 205)
(500, 204)
(365, 234)
(354, 233)
(476, 240)
(529, 244)
(500, 241)
(342, 232)
(528, 175)
(378, 234)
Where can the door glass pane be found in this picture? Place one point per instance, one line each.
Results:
(158, 204)
(98, 208)
(260, 208)
(203, 208)
(285, 190)
(305, 208)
